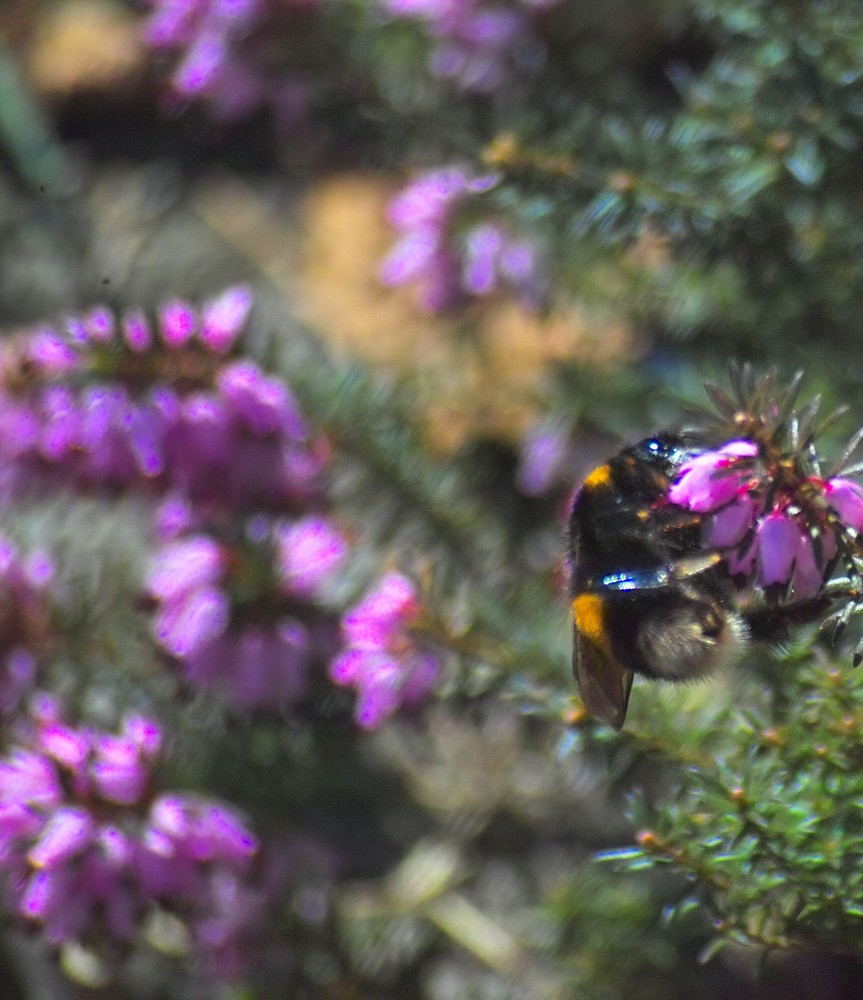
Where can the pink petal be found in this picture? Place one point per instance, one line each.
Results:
(846, 498)
(778, 539)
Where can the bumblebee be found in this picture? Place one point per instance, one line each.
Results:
(646, 598)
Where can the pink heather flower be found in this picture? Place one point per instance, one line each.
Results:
(791, 541)
(846, 498)
(376, 620)
(308, 551)
(185, 627)
(732, 522)
(100, 325)
(428, 199)
(261, 403)
(381, 658)
(82, 852)
(235, 621)
(178, 323)
(185, 565)
(544, 452)
(256, 666)
(709, 480)
(193, 610)
(136, 331)
(202, 62)
(170, 22)
(475, 44)
(808, 576)
(175, 516)
(67, 833)
(448, 264)
(236, 442)
(52, 354)
(204, 28)
(223, 317)
(778, 539)
(116, 773)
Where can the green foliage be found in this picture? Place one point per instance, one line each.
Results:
(728, 129)
(766, 820)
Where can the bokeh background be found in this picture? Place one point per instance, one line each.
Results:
(484, 243)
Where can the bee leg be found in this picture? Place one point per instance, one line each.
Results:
(774, 622)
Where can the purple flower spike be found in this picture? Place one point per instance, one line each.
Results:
(378, 694)
(447, 264)
(82, 860)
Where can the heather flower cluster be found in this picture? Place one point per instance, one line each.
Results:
(240, 614)
(90, 850)
(222, 52)
(478, 45)
(106, 404)
(449, 261)
(776, 522)
(383, 659)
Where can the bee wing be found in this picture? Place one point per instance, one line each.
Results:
(603, 683)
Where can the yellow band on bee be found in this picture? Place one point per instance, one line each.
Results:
(601, 476)
(588, 611)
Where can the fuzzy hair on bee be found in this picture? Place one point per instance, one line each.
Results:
(646, 598)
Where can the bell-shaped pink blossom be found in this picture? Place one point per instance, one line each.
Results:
(846, 498)
(778, 541)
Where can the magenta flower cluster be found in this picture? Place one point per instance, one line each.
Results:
(383, 658)
(448, 261)
(777, 527)
(90, 850)
(478, 45)
(221, 50)
(102, 404)
(240, 615)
